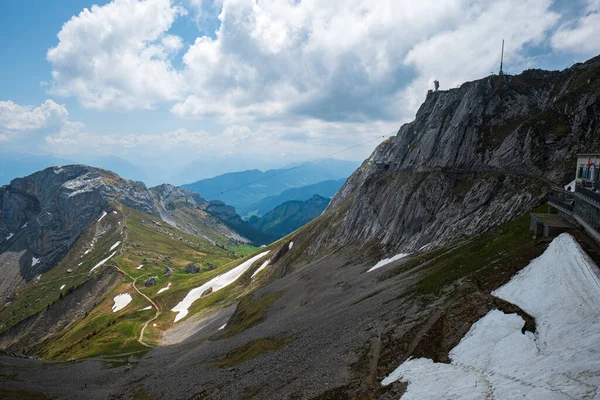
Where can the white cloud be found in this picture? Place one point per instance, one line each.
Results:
(118, 55)
(580, 36)
(15, 118)
(340, 60)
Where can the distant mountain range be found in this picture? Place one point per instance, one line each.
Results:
(243, 190)
(324, 189)
(289, 216)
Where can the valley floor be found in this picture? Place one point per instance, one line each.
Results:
(331, 330)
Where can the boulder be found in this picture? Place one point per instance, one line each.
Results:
(168, 272)
(151, 281)
(206, 292)
(192, 268)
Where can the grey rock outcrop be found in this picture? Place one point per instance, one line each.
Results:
(473, 158)
(192, 268)
(151, 281)
(167, 272)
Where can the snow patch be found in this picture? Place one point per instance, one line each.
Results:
(291, 245)
(561, 290)
(140, 266)
(386, 261)
(263, 266)
(88, 250)
(164, 289)
(25, 226)
(103, 261)
(102, 216)
(223, 327)
(114, 246)
(114, 212)
(9, 236)
(34, 261)
(121, 301)
(570, 185)
(424, 247)
(62, 287)
(217, 283)
(147, 308)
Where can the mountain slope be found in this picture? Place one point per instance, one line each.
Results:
(473, 158)
(289, 216)
(324, 189)
(272, 182)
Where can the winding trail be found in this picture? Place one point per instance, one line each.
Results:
(156, 307)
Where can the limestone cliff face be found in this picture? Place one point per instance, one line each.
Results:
(42, 215)
(473, 158)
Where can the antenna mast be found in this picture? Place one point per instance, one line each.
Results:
(501, 58)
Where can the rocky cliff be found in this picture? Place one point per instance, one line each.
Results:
(43, 214)
(473, 158)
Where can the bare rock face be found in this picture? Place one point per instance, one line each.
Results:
(167, 272)
(473, 158)
(45, 212)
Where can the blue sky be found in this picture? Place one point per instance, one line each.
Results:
(244, 83)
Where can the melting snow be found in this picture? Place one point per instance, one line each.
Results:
(103, 261)
(62, 287)
(561, 290)
(140, 266)
(570, 185)
(87, 251)
(25, 226)
(114, 212)
(102, 216)
(291, 245)
(217, 283)
(34, 261)
(386, 261)
(164, 289)
(263, 266)
(147, 308)
(223, 327)
(121, 301)
(9, 236)
(424, 247)
(114, 246)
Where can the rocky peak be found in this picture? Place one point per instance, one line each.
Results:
(474, 157)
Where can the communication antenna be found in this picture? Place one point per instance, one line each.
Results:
(501, 58)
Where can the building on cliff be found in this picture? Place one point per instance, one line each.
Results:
(580, 201)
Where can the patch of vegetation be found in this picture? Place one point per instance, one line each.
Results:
(504, 247)
(252, 350)
(243, 250)
(249, 312)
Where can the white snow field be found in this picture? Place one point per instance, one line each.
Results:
(147, 308)
(164, 289)
(263, 266)
(561, 290)
(102, 216)
(62, 287)
(140, 266)
(121, 300)
(114, 246)
(103, 261)
(10, 234)
(217, 283)
(34, 261)
(290, 245)
(386, 261)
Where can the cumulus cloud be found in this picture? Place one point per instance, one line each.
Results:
(354, 61)
(118, 56)
(580, 36)
(15, 118)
